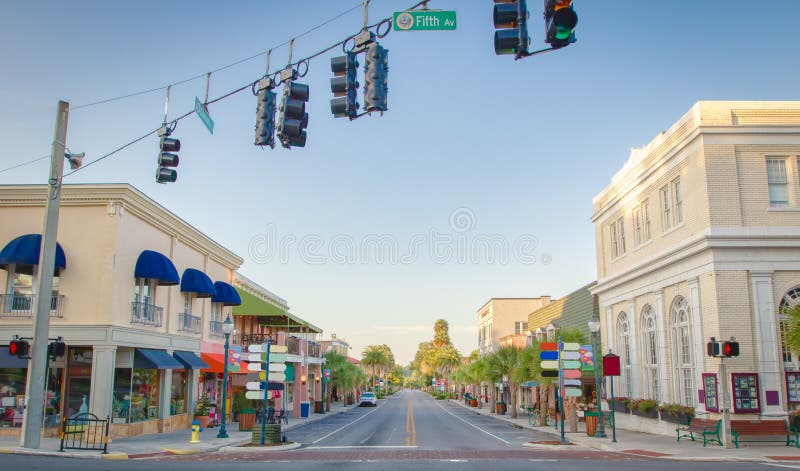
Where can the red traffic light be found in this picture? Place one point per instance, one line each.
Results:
(18, 348)
(730, 349)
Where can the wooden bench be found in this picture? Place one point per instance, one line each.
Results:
(708, 429)
(765, 430)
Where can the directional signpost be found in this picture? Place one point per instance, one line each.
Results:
(271, 375)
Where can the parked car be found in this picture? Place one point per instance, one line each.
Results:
(368, 399)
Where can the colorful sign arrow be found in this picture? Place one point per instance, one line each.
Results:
(549, 365)
(280, 377)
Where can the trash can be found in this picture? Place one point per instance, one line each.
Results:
(304, 409)
(591, 423)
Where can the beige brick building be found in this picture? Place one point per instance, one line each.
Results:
(502, 317)
(698, 236)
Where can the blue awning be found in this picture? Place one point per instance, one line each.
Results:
(24, 252)
(156, 266)
(226, 294)
(195, 281)
(189, 360)
(155, 360)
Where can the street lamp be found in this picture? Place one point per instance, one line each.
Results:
(594, 327)
(227, 328)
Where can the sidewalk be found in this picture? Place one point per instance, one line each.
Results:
(143, 446)
(657, 446)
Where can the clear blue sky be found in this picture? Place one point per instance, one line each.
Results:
(521, 147)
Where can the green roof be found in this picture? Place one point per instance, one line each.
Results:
(270, 314)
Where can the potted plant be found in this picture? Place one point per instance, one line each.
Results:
(203, 408)
(621, 404)
(645, 408)
(676, 413)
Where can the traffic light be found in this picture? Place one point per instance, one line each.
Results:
(56, 348)
(559, 22)
(712, 347)
(293, 118)
(511, 21)
(344, 85)
(167, 159)
(376, 76)
(729, 348)
(265, 117)
(19, 348)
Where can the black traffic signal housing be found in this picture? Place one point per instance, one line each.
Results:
(19, 348)
(167, 157)
(57, 348)
(376, 76)
(560, 20)
(265, 114)
(344, 85)
(729, 348)
(511, 21)
(293, 119)
(712, 347)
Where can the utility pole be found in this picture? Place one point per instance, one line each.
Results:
(37, 366)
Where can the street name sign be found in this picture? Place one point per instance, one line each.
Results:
(424, 20)
(202, 112)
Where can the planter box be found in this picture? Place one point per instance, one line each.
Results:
(500, 408)
(246, 421)
(618, 406)
(272, 435)
(473, 403)
(649, 413)
(681, 419)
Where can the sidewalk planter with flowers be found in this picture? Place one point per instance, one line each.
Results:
(203, 408)
(676, 413)
(645, 408)
(620, 404)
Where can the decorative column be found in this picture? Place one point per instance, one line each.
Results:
(661, 338)
(104, 359)
(768, 345)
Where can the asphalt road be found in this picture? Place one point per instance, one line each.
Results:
(406, 431)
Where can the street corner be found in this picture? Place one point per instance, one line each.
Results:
(259, 449)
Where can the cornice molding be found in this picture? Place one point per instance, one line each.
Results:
(131, 200)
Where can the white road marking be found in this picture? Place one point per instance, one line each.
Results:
(357, 446)
(473, 425)
(345, 426)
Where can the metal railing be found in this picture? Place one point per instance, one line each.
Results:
(253, 339)
(85, 432)
(189, 323)
(215, 329)
(313, 350)
(146, 314)
(21, 305)
(293, 345)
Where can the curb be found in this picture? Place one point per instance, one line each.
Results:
(239, 449)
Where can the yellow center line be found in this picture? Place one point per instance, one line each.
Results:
(408, 424)
(413, 424)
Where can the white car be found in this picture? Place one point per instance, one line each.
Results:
(368, 399)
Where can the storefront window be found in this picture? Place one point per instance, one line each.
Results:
(52, 403)
(144, 395)
(180, 380)
(12, 389)
(120, 409)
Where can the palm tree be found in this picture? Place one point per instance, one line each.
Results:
(445, 360)
(792, 328)
(502, 364)
(373, 357)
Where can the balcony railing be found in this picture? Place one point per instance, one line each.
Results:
(313, 350)
(22, 305)
(189, 323)
(253, 339)
(293, 345)
(146, 314)
(215, 329)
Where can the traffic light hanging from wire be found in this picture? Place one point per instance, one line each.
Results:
(344, 85)
(376, 76)
(265, 115)
(511, 21)
(167, 158)
(292, 118)
(560, 20)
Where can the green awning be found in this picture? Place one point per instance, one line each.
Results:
(270, 314)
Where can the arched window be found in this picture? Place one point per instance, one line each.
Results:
(624, 342)
(682, 352)
(650, 353)
(788, 301)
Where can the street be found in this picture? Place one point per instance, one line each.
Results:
(408, 430)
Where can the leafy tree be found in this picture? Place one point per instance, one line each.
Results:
(441, 334)
(502, 364)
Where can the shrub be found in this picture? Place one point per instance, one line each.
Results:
(203, 405)
(643, 405)
(676, 409)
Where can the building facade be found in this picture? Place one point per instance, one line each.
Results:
(698, 236)
(138, 292)
(501, 317)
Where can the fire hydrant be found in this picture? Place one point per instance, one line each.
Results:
(196, 432)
